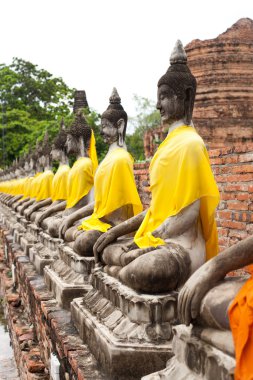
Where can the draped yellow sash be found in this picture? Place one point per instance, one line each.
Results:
(80, 180)
(114, 187)
(44, 185)
(60, 183)
(180, 173)
(34, 185)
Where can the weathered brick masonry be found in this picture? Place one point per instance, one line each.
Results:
(233, 170)
(38, 325)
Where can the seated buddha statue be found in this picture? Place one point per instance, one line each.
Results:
(178, 232)
(42, 183)
(35, 171)
(60, 180)
(81, 143)
(116, 196)
(211, 300)
(27, 178)
(18, 182)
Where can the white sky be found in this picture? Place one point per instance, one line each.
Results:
(97, 44)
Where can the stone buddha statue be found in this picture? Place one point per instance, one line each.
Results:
(81, 175)
(217, 303)
(206, 296)
(43, 185)
(60, 180)
(27, 177)
(178, 232)
(19, 180)
(116, 196)
(34, 165)
(29, 169)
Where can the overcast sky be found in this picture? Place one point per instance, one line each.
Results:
(97, 44)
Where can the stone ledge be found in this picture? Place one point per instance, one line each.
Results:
(195, 359)
(138, 356)
(65, 283)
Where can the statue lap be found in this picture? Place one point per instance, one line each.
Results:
(150, 270)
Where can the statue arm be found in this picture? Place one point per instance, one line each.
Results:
(20, 202)
(38, 205)
(176, 225)
(72, 218)
(209, 275)
(15, 199)
(55, 207)
(27, 204)
(121, 229)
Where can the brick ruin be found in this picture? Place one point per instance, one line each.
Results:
(223, 67)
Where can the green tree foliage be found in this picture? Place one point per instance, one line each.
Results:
(148, 117)
(32, 100)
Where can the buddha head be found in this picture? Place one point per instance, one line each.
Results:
(78, 135)
(176, 89)
(44, 158)
(59, 143)
(27, 161)
(114, 121)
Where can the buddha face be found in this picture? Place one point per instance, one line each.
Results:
(108, 131)
(71, 144)
(31, 164)
(170, 106)
(27, 166)
(55, 154)
(42, 161)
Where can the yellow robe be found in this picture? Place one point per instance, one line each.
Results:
(180, 173)
(60, 183)
(44, 185)
(80, 180)
(241, 323)
(34, 185)
(114, 187)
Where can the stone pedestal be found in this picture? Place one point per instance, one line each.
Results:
(200, 354)
(68, 277)
(126, 331)
(41, 256)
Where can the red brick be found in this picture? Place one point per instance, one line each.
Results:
(237, 205)
(224, 214)
(216, 160)
(238, 178)
(232, 224)
(222, 231)
(244, 196)
(227, 196)
(237, 187)
(231, 159)
(241, 169)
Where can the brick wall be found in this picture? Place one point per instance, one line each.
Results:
(233, 170)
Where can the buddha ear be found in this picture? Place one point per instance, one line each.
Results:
(121, 127)
(188, 105)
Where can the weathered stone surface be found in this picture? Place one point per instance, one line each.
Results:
(65, 283)
(117, 322)
(195, 359)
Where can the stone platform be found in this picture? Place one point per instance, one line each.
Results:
(200, 354)
(68, 276)
(117, 322)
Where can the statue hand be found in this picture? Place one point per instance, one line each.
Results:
(39, 219)
(102, 242)
(65, 224)
(194, 290)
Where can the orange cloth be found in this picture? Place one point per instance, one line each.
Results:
(241, 323)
